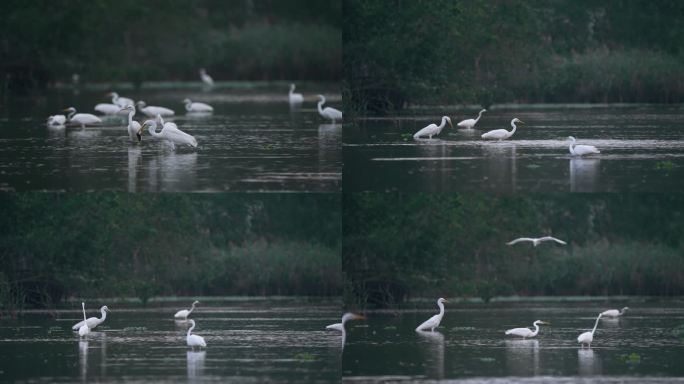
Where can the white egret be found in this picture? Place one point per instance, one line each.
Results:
(184, 313)
(502, 134)
(588, 337)
(526, 332)
(434, 321)
(93, 322)
(470, 123)
(206, 79)
(328, 112)
(81, 119)
(346, 317)
(108, 109)
(56, 120)
(433, 129)
(536, 241)
(295, 98)
(195, 340)
(152, 111)
(83, 330)
(134, 128)
(197, 107)
(614, 312)
(581, 150)
(120, 101)
(170, 133)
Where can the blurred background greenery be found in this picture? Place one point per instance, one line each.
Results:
(398, 246)
(56, 246)
(44, 41)
(492, 51)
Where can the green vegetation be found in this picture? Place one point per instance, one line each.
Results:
(480, 51)
(128, 40)
(55, 246)
(398, 246)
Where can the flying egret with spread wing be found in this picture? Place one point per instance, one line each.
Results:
(536, 241)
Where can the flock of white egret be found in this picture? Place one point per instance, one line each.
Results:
(170, 133)
(429, 325)
(497, 134)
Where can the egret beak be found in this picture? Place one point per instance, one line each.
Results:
(544, 322)
(359, 317)
(139, 135)
(65, 110)
(451, 125)
(522, 122)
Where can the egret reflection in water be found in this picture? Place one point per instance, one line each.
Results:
(83, 359)
(588, 362)
(522, 357)
(432, 346)
(195, 365)
(584, 174)
(500, 166)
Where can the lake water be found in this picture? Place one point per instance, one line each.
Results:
(470, 344)
(642, 149)
(253, 141)
(257, 342)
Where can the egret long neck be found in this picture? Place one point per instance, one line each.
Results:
(187, 105)
(595, 325)
(572, 146)
(478, 116)
(441, 308)
(191, 328)
(536, 329)
(104, 314)
(152, 129)
(514, 127)
(130, 117)
(320, 106)
(84, 316)
(192, 308)
(292, 88)
(71, 114)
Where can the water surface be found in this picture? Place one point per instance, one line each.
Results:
(470, 344)
(253, 141)
(246, 342)
(642, 149)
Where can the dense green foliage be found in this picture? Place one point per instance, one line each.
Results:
(54, 246)
(132, 40)
(483, 51)
(400, 245)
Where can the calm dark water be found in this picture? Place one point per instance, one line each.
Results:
(642, 149)
(253, 141)
(470, 345)
(275, 342)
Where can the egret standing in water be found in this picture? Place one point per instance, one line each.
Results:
(470, 123)
(328, 112)
(92, 322)
(295, 98)
(614, 312)
(194, 340)
(581, 150)
(83, 330)
(56, 120)
(206, 79)
(134, 129)
(184, 313)
(152, 111)
(536, 241)
(502, 134)
(526, 332)
(171, 134)
(120, 101)
(81, 119)
(588, 337)
(434, 321)
(433, 129)
(346, 317)
(197, 107)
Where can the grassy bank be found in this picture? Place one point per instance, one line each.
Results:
(56, 246)
(399, 246)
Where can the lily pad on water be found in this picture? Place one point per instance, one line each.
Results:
(666, 164)
(632, 358)
(304, 356)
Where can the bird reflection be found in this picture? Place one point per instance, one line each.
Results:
(83, 359)
(433, 348)
(195, 365)
(501, 164)
(329, 146)
(172, 171)
(522, 357)
(588, 363)
(134, 162)
(584, 174)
